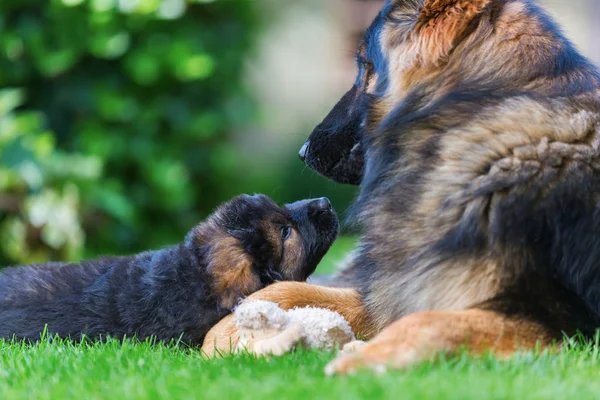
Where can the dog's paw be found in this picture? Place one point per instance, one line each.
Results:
(350, 364)
(353, 347)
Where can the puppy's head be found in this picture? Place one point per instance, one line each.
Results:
(251, 242)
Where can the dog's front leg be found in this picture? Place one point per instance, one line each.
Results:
(423, 336)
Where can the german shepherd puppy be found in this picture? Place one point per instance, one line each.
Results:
(179, 292)
(473, 128)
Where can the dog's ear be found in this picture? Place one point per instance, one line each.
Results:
(443, 24)
(233, 277)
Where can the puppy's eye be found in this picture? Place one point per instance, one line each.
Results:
(286, 231)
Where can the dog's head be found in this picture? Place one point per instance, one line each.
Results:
(250, 242)
(418, 51)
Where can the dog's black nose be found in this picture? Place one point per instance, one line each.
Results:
(322, 204)
(303, 151)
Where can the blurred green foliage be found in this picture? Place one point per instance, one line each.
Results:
(40, 186)
(117, 122)
(114, 120)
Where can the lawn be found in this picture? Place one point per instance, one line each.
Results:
(142, 371)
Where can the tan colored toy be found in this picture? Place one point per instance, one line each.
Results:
(266, 329)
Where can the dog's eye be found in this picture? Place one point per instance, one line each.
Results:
(286, 231)
(368, 72)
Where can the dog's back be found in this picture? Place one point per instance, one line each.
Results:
(162, 293)
(55, 293)
(22, 286)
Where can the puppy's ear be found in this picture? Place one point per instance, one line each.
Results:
(443, 24)
(230, 268)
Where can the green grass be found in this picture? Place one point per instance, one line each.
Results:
(340, 249)
(56, 370)
(142, 371)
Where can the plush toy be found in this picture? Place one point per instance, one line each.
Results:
(266, 329)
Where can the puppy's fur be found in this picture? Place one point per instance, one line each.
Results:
(473, 128)
(247, 244)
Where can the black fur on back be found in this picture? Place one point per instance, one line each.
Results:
(162, 293)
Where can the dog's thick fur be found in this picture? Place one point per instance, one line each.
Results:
(175, 293)
(474, 127)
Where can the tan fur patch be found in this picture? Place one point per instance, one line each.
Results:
(231, 271)
(420, 47)
(434, 285)
(439, 25)
(293, 254)
(427, 36)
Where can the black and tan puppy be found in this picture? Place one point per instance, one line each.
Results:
(179, 292)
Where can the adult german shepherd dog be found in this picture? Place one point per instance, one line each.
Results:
(473, 128)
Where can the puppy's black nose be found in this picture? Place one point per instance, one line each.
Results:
(304, 150)
(322, 204)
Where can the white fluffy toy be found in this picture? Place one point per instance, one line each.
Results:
(266, 329)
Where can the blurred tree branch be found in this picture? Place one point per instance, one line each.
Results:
(10, 203)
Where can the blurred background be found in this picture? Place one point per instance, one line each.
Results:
(125, 122)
